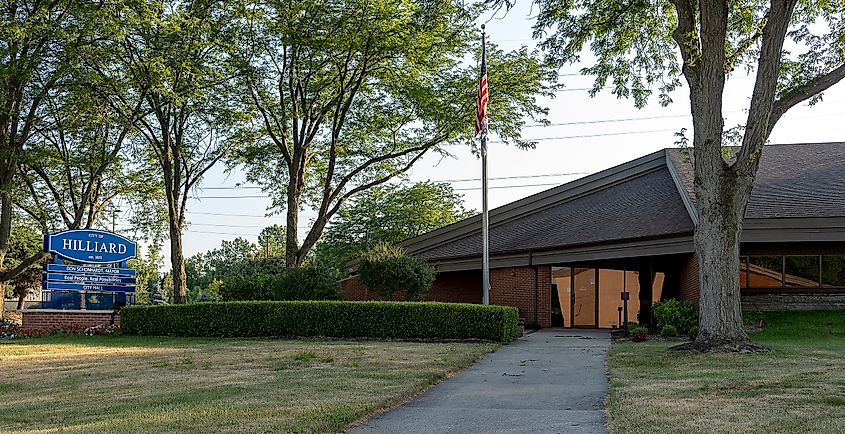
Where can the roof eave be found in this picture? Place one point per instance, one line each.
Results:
(533, 203)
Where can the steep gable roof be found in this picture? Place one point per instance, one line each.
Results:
(647, 206)
(634, 201)
(794, 181)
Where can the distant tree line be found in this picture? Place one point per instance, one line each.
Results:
(326, 105)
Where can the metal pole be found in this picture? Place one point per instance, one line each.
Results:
(114, 212)
(485, 218)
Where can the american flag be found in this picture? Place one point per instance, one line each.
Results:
(481, 101)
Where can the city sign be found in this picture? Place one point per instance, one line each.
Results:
(90, 246)
(96, 263)
(81, 278)
(83, 269)
(62, 286)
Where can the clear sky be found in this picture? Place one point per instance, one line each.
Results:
(595, 134)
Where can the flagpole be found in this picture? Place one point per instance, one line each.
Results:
(485, 218)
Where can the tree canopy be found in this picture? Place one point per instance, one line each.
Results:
(389, 214)
(795, 50)
(351, 94)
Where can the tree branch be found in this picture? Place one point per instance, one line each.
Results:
(687, 38)
(805, 91)
(760, 122)
(8, 275)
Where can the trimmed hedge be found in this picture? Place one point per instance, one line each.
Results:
(339, 319)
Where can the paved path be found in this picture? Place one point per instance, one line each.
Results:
(551, 381)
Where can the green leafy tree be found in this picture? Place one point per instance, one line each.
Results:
(146, 272)
(197, 274)
(309, 282)
(25, 243)
(389, 214)
(75, 168)
(40, 44)
(271, 241)
(219, 261)
(175, 58)
(387, 270)
(640, 46)
(350, 94)
(232, 257)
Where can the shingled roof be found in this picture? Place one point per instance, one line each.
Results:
(794, 181)
(644, 207)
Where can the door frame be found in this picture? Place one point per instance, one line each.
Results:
(572, 300)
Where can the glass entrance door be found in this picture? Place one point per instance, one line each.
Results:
(584, 298)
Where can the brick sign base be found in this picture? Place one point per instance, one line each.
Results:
(46, 319)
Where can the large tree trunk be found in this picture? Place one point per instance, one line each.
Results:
(5, 232)
(717, 243)
(177, 264)
(294, 255)
(292, 230)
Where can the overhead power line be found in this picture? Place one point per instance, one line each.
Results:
(608, 121)
(246, 196)
(456, 189)
(544, 175)
(220, 233)
(584, 136)
(226, 215)
(548, 184)
(227, 225)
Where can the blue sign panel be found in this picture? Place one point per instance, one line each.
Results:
(81, 278)
(90, 246)
(85, 287)
(84, 269)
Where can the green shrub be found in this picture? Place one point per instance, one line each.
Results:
(302, 283)
(250, 287)
(681, 316)
(638, 333)
(340, 319)
(387, 270)
(668, 331)
(693, 332)
(753, 318)
(310, 283)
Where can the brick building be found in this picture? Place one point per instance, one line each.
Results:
(564, 256)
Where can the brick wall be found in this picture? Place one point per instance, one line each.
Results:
(509, 287)
(514, 286)
(48, 319)
(688, 283)
(805, 301)
(454, 287)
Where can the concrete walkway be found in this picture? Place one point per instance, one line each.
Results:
(551, 381)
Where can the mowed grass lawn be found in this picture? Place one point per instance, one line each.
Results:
(798, 387)
(140, 384)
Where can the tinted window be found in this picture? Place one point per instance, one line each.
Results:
(801, 271)
(833, 271)
(743, 275)
(765, 271)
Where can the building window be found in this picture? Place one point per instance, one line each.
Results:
(761, 272)
(765, 271)
(562, 286)
(801, 272)
(611, 285)
(833, 271)
(657, 287)
(584, 305)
